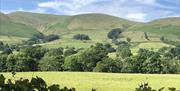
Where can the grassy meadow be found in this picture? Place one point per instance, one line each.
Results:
(85, 81)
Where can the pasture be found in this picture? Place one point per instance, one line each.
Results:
(85, 81)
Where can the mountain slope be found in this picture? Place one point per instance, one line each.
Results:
(10, 28)
(97, 21)
(160, 26)
(36, 20)
(58, 23)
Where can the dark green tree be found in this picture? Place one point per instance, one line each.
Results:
(108, 65)
(72, 63)
(123, 51)
(81, 37)
(3, 59)
(114, 33)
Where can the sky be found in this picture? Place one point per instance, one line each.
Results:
(135, 10)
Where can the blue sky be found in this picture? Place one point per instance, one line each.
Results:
(136, 10)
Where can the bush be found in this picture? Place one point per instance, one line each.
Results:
(81, 37)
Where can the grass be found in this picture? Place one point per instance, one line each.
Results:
(164, 26)
(11, 39)
(10, 28)
(85, 81)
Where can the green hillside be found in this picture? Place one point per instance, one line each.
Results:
(41, 22)
(58, 23)
(95, 25)
(160, 26)
(10, 28)
(97, 21)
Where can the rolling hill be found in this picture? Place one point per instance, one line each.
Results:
(26, 24)
(47, 23)
(163, 26)
(60, 23)
(10, 28)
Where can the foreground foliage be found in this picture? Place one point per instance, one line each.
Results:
(39, 84)
(35, 84)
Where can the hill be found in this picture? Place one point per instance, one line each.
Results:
(163, 26)
(10, 28)
(41, 22)
(47, 23)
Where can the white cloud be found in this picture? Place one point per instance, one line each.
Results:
(37, 10)
(52, 4)
(137, 16)
(136, 10)
(70, 4)
(150, 2)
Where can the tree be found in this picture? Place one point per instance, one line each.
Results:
(114, 33)
(1, 43)
(35, 52)
(128, 65)
(108, 65)
(146, 36)
(123, 51)
(52, 60)
(109, 47)
(170, 66)
(81, 37)
(19, 62)
(92, 55)
(173, 53)
(128, 39)
(7, 51)
(69, 51)
(72, 63)
(3, 63)
(51, 37)
(162, 38)
(152, 64)
(51, 63)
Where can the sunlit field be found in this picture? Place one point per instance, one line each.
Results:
(85, 81)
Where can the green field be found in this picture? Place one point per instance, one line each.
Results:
(84, 81)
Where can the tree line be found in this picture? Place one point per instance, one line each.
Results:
(94, 58)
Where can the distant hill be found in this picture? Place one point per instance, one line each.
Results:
(41, 22)
(56, 23)
(26, 24)
(161, 26)
(10, 28)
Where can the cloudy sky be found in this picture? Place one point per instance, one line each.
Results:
(136, 10)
